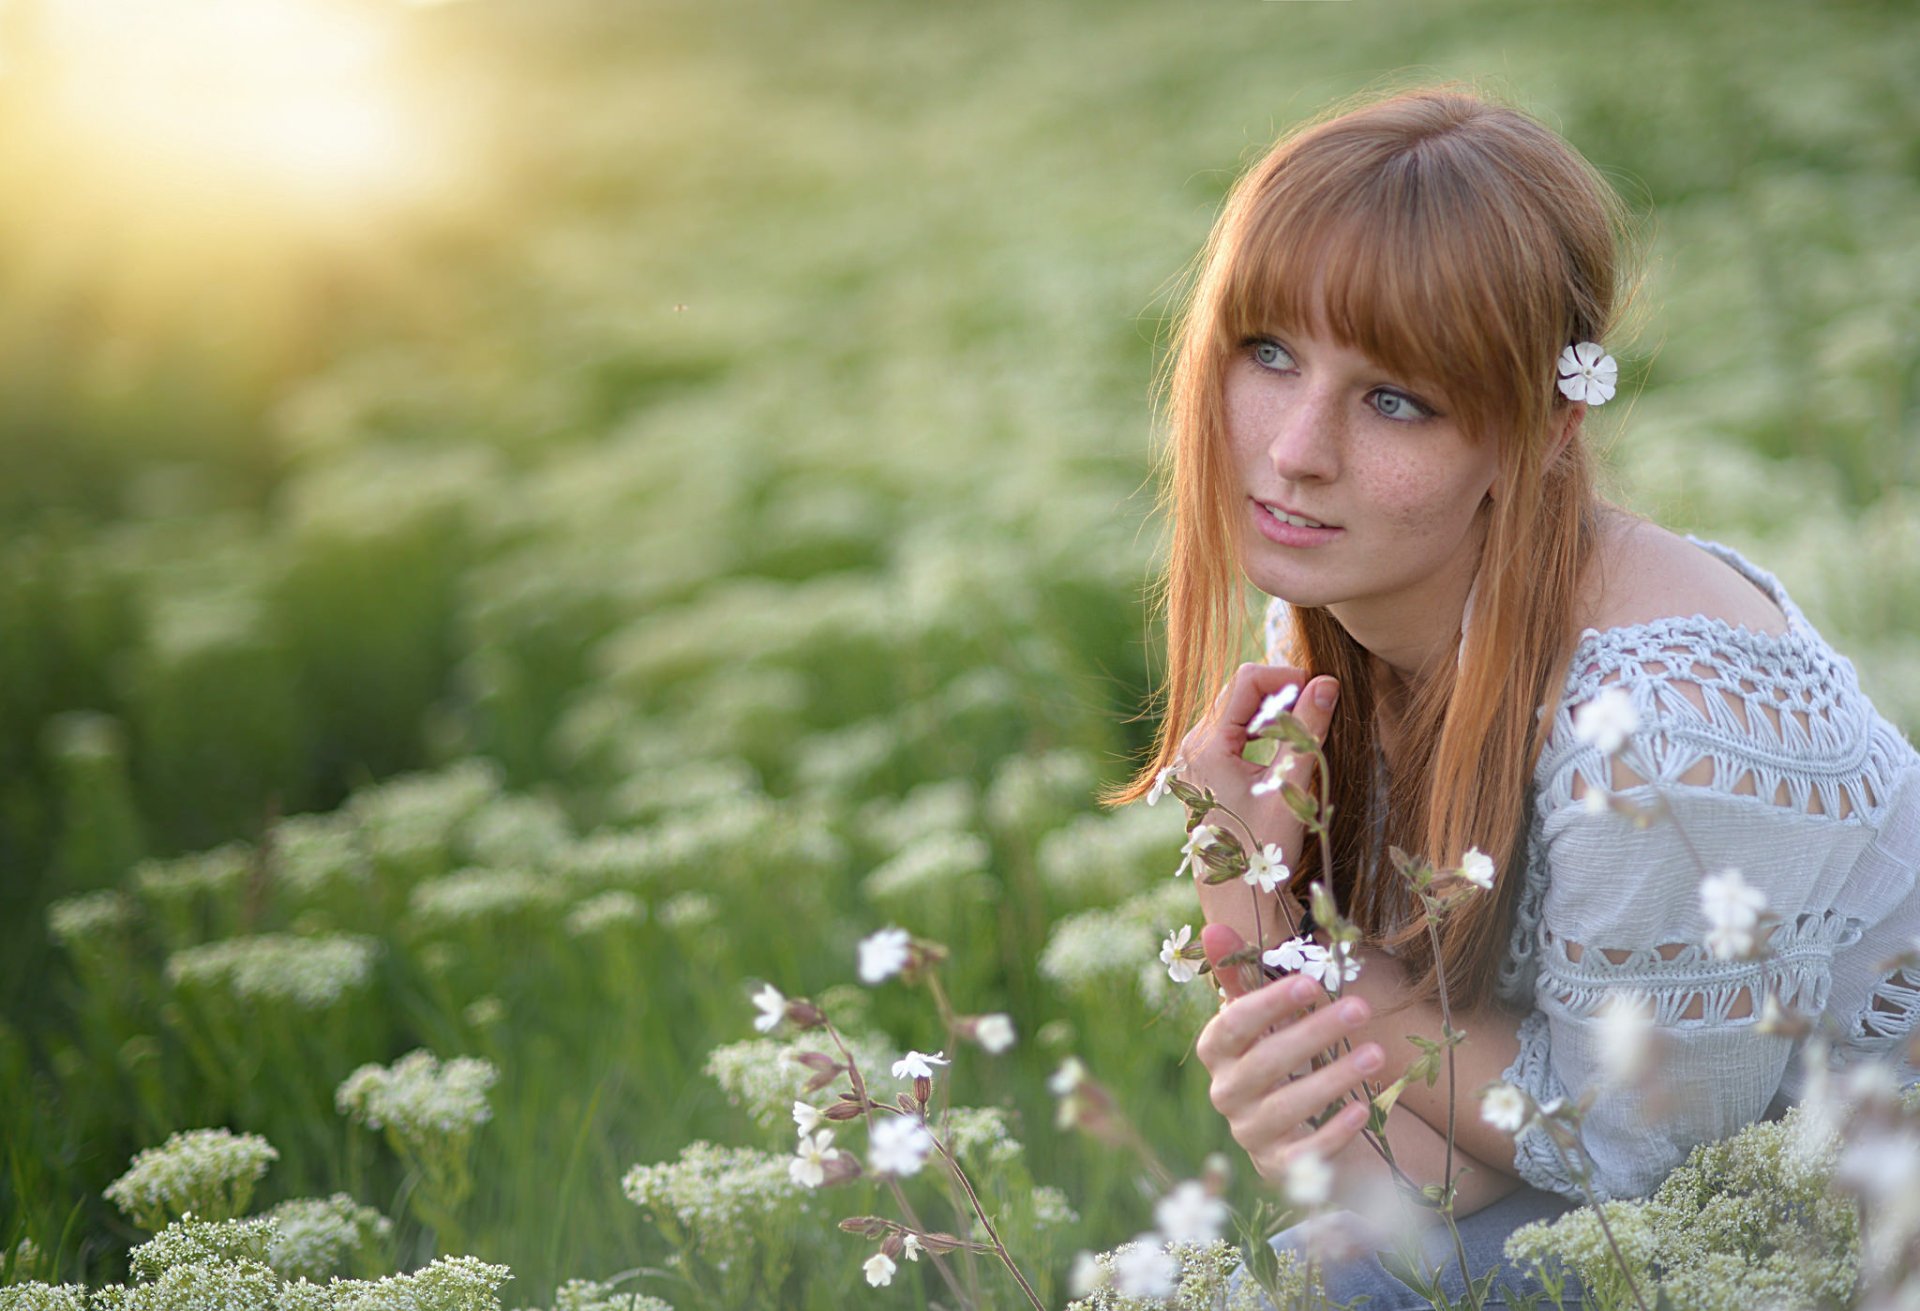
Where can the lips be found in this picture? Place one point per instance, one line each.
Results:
(1286, 516)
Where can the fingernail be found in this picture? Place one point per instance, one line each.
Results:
(1368, 1059)
(1353, 1010)
(1327, 693)
(1301, 990)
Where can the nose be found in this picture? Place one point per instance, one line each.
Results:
(1304, 434)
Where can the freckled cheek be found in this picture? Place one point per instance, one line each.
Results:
(1423, 502)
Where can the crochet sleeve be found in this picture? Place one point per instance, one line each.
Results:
(1755, 761)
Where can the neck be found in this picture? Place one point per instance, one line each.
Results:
(1409, 635)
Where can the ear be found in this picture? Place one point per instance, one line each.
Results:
(1570, 426)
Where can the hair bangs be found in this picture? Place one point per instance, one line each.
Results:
(1390, 267)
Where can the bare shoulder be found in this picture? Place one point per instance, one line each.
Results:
(1642, 572)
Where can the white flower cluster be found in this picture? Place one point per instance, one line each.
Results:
(1091, 856)
(311, 855)
(415, 818)
(616, 906)
(1749, 1221)
(314, 1236)
(1096, 949)
(718, 1196)
(77, 922)
(979, 1135)
(758, 1075)
(592, 1295)
(944, 805)
(689, 910)
(32, 1296)
(461, 1282)
(516, 830)
(310, 973)
(1051, 1206)
(419, 1098)
(218, 872)
(611, 857)
(191, 1241)
(1149, 1275)
(208, 1171)
(476, 894)
(939, 863)
(1028, 790)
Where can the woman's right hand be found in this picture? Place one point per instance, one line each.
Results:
(1263, 1037)
(1211, 758)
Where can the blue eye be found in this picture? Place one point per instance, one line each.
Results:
(1272, 355)
(1405, 408)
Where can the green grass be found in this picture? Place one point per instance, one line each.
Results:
(778, 448)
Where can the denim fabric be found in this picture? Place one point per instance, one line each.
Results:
(1482, 1234)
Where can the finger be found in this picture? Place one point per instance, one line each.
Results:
(1287, 1103)
(1288, 1054)
(1222, 941)
(1240, 701)
(1325, 1142)
(1242, 1021)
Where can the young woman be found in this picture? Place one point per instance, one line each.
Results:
(1376, 416)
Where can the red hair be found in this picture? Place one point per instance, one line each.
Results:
(1463, 245)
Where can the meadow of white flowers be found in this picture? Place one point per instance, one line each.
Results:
(461, 849)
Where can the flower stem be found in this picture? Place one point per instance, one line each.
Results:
(986, 1222)
(1581, 1173)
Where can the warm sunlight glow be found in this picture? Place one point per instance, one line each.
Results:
(297, 101)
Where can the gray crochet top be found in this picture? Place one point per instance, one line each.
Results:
(1771, 760)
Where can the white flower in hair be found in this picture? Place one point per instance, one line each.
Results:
(1587, 373)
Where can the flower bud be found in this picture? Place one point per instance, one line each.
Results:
(804, 1014)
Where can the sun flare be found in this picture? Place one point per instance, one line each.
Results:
(299, 104)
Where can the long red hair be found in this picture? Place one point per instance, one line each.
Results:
(1459, 243)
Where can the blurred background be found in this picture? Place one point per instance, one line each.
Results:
(460, 461)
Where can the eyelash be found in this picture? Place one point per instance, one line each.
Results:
(1254, 345)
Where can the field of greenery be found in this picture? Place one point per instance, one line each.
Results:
(518, 626)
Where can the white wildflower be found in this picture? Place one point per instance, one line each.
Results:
(1161, 782)
(1190, 1214)
(1266, 870)
(718, 1195)
(1272, 708)
(1087, 1277)
(1476, 867)
(808, 1168)
(898, 1146)
(879, 1268)
(1068, 1077)
(1145, 1269)
(1595, 802)
(884, 954)
(911, 1248)
(1173, 955)
(616, 906)
(1607, 721)
(1626, 1037)
(1296, 955)
(307, 973)
(1201, 835)
(418, 1097)
(314, 1236)
(210, 1172)
(772, 1007)
(806, 1118)
(1504, 1107)
(1733, 908)
(471, 895)
(1337, 966)
(918, 1065)
(1585, 372)
(1309, 1180)
(994, 1032)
